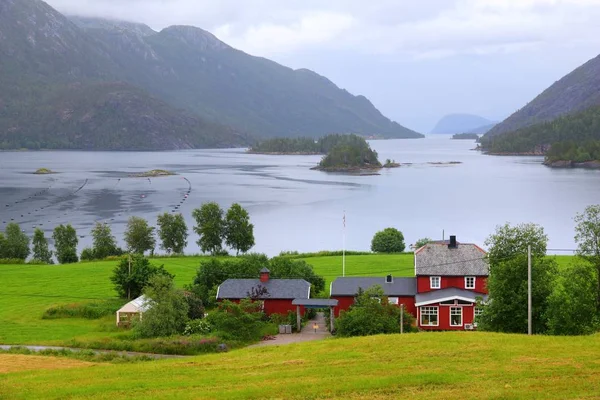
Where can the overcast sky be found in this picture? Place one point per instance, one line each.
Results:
(415, 60)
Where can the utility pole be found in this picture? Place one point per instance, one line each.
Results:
(344, 248)
(128, 280)
(529, 324)
(401, 318)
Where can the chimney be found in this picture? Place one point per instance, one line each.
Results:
(264, 275)
(389, 279)
(452, 244)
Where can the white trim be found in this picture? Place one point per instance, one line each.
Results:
(474, 282)
(437, 315)
(424, 303)
(461, 316)
(308, 294)
(439, 278)
(396, 300)
(218, 289)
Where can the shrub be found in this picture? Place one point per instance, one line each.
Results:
(197, 327)
(130, 280)
(94, 310)
(371, 314)
(234, 321)
(422, 242)
(87, 254)
(389, 240)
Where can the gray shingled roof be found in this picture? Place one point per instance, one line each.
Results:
(438, 259)
(315, 302)
(350, 286)
(277, 288)
(450, 293)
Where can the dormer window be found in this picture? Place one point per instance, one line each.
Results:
(435, 282)
(469, 282)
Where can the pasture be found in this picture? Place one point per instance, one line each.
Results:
(448, 365)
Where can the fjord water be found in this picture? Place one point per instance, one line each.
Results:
(294, 208)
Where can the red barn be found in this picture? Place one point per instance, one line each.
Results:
(276, 295)
(451, 276)
(398, 291)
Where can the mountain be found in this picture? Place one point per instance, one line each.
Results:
(178, 88)
(573, 93)
(482, 129)
(461, 123)
(191, 68)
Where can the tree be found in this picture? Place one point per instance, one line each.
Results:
(16, 243)
(210, 227)
(506, 310)
(509, 241)
(173, 233)
(65, 243)
(422, 242)
(41, 250)
(587, 236)
(3, 248)
(572, 304)
(105, 244)
(168, 310)
(372, 314)
(133, 273)
(389, 240)
(241, 321)
(239, 232)
(139, 236)
(286, 268)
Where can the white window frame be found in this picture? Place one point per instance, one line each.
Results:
(456, 311)
(393, 300)
(439, 281)
(429, 310)
(467, 280)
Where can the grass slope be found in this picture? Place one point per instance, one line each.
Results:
(29, 290)
(450, 365)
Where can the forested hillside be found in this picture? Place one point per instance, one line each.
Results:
(47, 59)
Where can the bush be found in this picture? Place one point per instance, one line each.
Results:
(183, 345)
(197, 327)
(93, 310)
(87, 254)
(422, 242)
(130, 284)
(371, 314)
(389, 240)
(241, 321)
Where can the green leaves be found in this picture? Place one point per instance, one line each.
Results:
(15, 244)
(139, 236)
(389, 240)
(210, 226)
(173, 233)
(239, 232)
(65, 242)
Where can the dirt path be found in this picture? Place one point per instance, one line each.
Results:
(308, 334)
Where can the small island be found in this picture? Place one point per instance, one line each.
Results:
(152, 174)
(352, 154)
(465, 136)
(44, 171)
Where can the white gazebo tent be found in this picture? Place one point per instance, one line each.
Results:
(134, 309)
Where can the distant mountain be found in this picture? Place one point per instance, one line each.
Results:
(482, 129)
(50, 65)
(575, 92)
(461, 123)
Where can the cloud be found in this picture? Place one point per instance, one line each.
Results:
(418, 29)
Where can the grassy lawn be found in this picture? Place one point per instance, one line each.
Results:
(450, 365)
(28, 291)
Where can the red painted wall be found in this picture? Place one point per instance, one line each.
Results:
(423, 284)
(277, 306)
(344, 303)
(444, 318)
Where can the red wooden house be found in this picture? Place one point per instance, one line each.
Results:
(398, 291)
(276, 295)
(449, 279)
(451, 276)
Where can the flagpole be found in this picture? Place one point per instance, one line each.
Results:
(344, 248)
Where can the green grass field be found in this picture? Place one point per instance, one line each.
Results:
(29, 290)
(449, 365)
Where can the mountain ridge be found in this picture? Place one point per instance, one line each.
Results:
(461, 123)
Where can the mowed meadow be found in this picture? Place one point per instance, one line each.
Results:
(446, 365)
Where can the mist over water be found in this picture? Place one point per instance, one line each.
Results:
(294, 208)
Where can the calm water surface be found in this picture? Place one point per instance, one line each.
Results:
(294, 208)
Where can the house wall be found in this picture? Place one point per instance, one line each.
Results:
(344, 303)
(423, 284)
(277, 306)
(444, 317)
